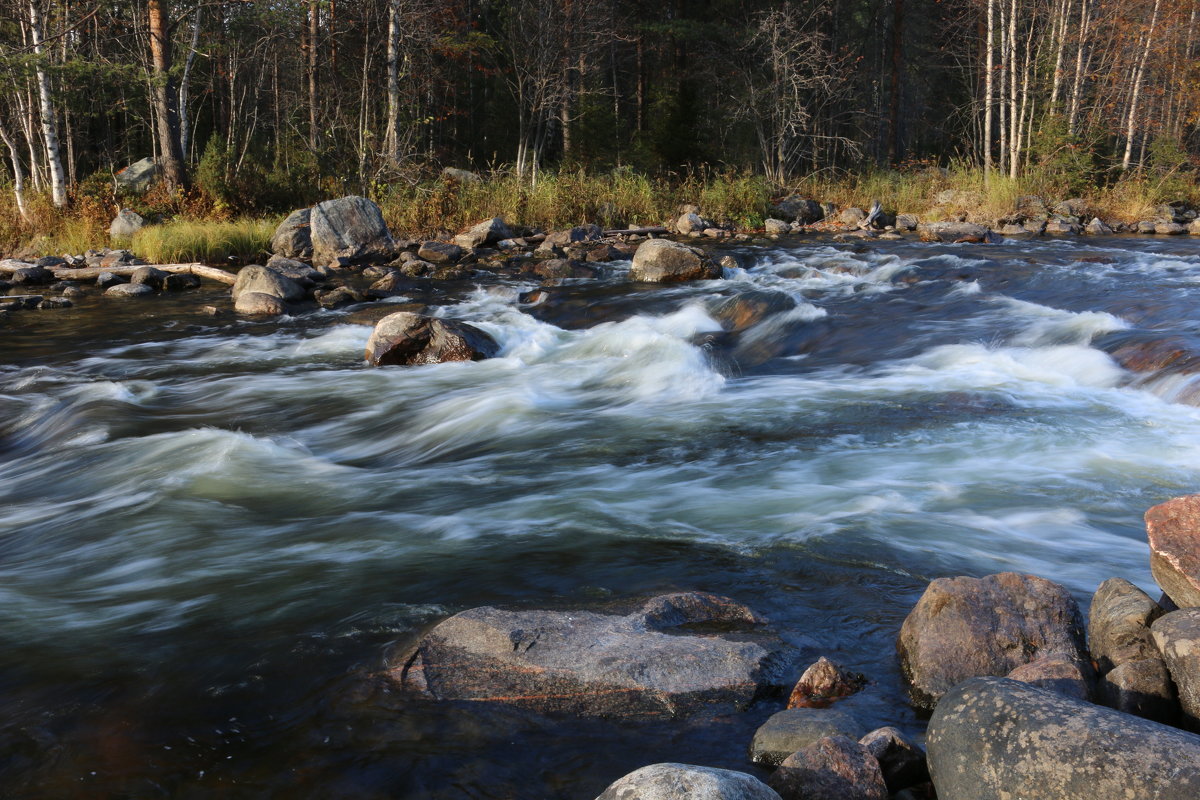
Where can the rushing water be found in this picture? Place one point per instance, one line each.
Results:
(215, 531)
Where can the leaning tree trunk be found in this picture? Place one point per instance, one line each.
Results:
(164, 98)
(18, 172)
(58, 183)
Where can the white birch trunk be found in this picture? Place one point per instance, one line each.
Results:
(18, 172)
(1137, 88)
(58, 183)
(988, 90)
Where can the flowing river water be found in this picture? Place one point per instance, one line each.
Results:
(213, 532)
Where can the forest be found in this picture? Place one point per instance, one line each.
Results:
(256, 107)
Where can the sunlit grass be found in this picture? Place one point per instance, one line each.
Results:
(247, 240)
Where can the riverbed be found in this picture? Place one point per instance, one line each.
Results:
(216, 532)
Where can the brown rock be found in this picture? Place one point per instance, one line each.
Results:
(1056, 675)
(406, 338)
(822, 683)
(1142, 688)
(1178, 638)
(834, 768)
(440, 252)
(562, 268)
(900, 758)
(665, 261)
(1119, 624)
(968, 627)
(1173, 529)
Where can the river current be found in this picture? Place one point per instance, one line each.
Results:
(214, 532)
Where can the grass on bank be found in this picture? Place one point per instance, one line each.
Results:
(197, 230)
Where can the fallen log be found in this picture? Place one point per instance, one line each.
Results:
(636, 231)
(91, 273)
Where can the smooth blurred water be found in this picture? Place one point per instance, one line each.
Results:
(214, 531)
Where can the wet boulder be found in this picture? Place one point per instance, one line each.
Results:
(180, 282)
(1119, 624)
(795, 728)
(405, 338)
(967, 627)
(259, 304)
(676, 656)
(687, 782)
(293, 237)
(1173, 530)
(1169, 228)
(1143, 688)
(125, 224)
(992, 738)
(150, 276)
(665, 261)
(900, 758)
(484, 233)
(128, 290)
(561, 268)
(832, 768)
(822, 683)
(107, 279)
(352, 228)
(257, 278)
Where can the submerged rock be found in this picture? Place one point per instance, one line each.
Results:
(643, 664)
(405, 338)
(665, 261)
(686, 782)
(822, 683)
(794, 728)
(967, 627)
(832, 768)
(991, 738)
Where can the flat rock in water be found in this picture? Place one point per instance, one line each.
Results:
(293, 237)
(832, 768)
(1173, 529)
(665, 261)
(1119, 624)
(260, 279)
(966, 627)
(994, 738)
(794, 728)
(686, 782)
(409, 339)
(352, 228)
(644, 664)
(129, 290)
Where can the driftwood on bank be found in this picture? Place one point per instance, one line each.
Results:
(91, 273)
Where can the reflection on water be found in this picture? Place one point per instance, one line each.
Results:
(215, 530)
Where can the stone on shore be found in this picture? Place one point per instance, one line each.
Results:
(966, 627)
(822, 683)
(1062, 227)
(298, 271)
(1119, 624)
(1177, 636)
(1173, 529)
(691, 222)
(409, 339)
(952, 231)
(796, 208)
(661, 661)
(832, 768)
(352, 228)
(293, 237)
(1143, 688)
(993, 738)
(125, 224)
(900, 758)
(580, 233)
(776, 227)
(687, 782)
(487, 232)
(1097, 228)
(259, 304)
(1169, 228)
(440, 252)
(792, 729)
(257, 278)
(665, 261)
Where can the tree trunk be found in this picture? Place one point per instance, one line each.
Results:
(392, 135)
(58, 184)
(1085, 17)
(895, 152)
(18, 172)
(185, 134)
(313, 29)
(164, 98)
(1137, 89)
(1014, 120)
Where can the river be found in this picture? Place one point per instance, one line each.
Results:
(215, 531)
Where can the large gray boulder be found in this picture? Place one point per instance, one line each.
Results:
(686, 782)
(792, 729)
(138, 176)
(257, 278)
(487, 232)
(966, 627)
(1173, 530)
(796, 208)
(994, 738)
(665, 261)
(952, 231)
(408, 339)
(643, 664)
(351, 228)
(1177, 636)
(125, 224)
(1119, 624)
(293, 237)
(832, 768)
(259, 304)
